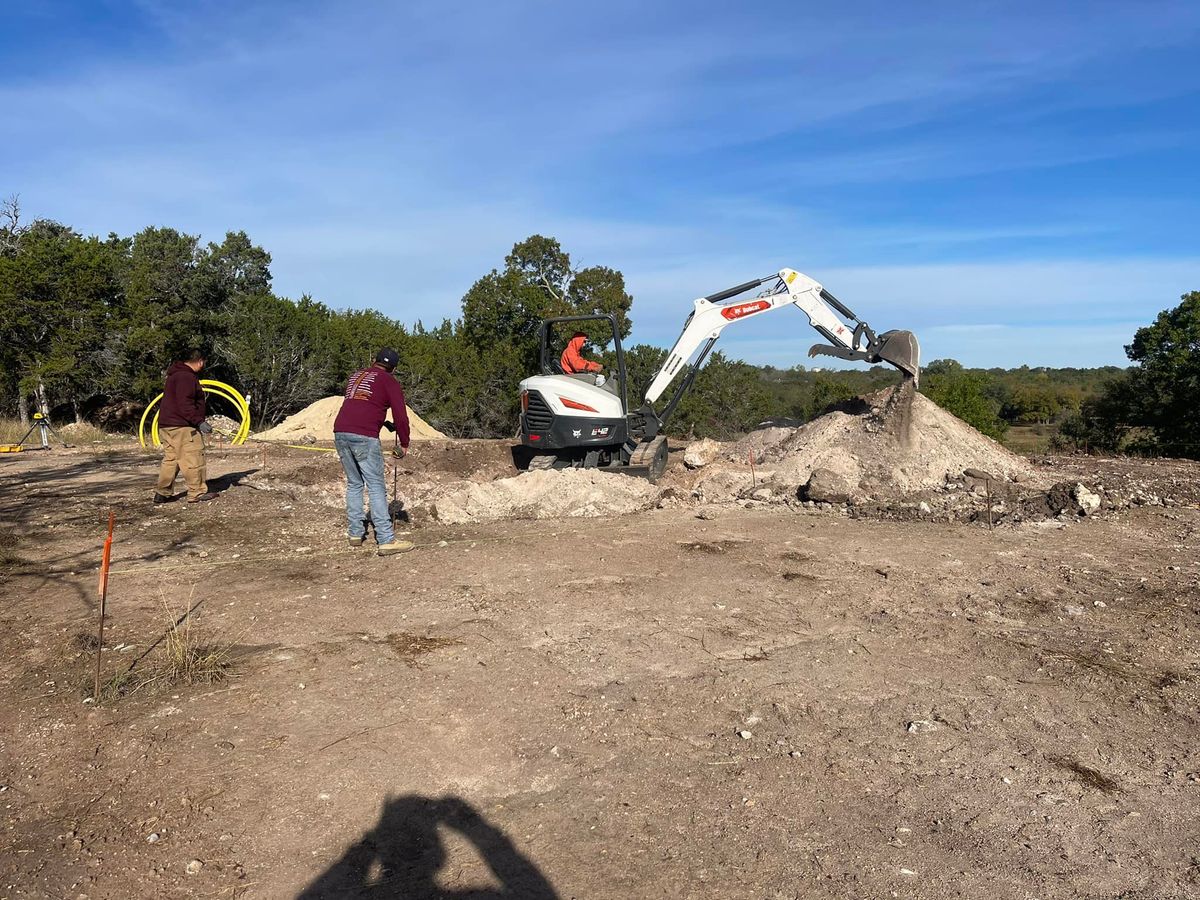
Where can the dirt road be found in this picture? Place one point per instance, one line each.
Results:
(770, 703)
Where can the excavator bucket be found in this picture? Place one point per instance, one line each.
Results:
(897, 348)
(900, 348)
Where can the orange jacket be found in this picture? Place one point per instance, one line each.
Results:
(572, 360)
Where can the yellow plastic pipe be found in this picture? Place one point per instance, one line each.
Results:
(210, 386)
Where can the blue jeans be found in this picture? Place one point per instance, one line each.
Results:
(362, 458)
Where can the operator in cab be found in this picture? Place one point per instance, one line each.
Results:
(573, 362)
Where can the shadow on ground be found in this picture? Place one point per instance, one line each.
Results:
(401, 856)
(73, 493)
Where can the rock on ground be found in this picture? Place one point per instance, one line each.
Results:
(700, 453)
(827, 486)
(1087, 500)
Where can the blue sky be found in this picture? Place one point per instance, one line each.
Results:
(1015, 182)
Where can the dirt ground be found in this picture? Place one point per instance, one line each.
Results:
(733, 700)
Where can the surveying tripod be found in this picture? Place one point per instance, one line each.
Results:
(42, 425)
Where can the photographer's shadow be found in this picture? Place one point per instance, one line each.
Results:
(400, 857)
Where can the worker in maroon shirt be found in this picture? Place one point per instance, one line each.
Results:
(370, 393)
(181, 428)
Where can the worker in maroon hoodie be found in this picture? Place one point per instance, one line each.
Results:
(370, 393)
(181, 428)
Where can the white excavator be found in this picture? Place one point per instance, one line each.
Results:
(584, 420)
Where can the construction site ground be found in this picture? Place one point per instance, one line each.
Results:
(733, 700)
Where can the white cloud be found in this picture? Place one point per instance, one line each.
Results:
(388, 156)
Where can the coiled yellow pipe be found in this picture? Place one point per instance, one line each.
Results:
(210, 386)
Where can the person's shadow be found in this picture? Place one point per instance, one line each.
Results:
(400, 857)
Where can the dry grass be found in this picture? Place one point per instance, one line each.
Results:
(11, 431)
(184, 657)
(86, 433)
(1029, 439)
(189, 659)
(117, 686)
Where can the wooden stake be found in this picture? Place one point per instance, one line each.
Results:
(102, 590)
(988, 482)
(753, 477)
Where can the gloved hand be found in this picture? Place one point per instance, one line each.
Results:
(399, 452)
(600, 379)
(204, 427)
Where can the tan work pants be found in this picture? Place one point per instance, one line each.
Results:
(183, 451)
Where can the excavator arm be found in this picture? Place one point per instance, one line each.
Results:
(852, 339)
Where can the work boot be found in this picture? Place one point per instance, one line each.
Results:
(354, 541)
(203, 497)
(159, 498)
(394, 547)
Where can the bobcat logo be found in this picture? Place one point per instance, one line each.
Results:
(577, 433)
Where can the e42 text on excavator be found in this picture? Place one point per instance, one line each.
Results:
(582, 420)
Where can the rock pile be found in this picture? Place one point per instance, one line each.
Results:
(884, 446)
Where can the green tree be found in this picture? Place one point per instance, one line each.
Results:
(1030, 404)
(162, 316)
(57, 291)
(278, 353)
(175, 294)
(727, 399)
(1165, 383)
(824, 392)
(963, 393)
(443, 378)
(642, 361)
(356, 335)
(1102, 423)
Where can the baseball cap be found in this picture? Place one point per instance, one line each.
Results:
(388, 357)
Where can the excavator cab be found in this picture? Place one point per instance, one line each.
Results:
(553, 337)
(568, 421)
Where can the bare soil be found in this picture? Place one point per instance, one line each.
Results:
(776, 700)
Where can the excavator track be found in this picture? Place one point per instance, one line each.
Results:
(649, 459)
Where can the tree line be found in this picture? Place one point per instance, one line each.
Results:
(90, 324)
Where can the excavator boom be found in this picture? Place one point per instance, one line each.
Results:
(853, 339)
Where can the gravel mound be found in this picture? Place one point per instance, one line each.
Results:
(882, 446)
(553, 494)
(315, 423)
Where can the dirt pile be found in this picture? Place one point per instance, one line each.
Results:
(566, 493)
(315, 423)
(882, 446)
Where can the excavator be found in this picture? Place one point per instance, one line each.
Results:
(584, 420)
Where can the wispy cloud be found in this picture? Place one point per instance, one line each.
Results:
(947, 164)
